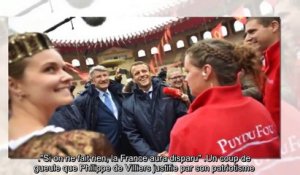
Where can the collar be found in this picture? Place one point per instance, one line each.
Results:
(216, 95)
(272, 48)
(272, 54)
(149, 90)
(101, 93)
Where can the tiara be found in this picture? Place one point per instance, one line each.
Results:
(26, 45)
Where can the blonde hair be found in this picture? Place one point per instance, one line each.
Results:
(172, 70)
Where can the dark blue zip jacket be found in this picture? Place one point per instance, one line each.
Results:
(148, 122)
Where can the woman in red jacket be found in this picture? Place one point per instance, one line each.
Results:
(221, 121)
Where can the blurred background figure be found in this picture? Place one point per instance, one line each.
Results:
(72, 87)
(289, 12)
(163, 74)
(221, 121)
(38, 85)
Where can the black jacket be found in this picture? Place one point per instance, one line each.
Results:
(100, 119)
(97, 116)
(68, 117)
(88, 112)
(148, 122)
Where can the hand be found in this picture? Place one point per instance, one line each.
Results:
(118, 75)
(185, 98)
(164, 154)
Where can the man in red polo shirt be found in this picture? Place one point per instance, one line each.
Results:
(263, 33)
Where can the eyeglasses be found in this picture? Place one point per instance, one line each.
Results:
(177, 77)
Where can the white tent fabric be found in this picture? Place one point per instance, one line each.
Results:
(124, 16)
(113, 27)
(40, 15)
(86, 7)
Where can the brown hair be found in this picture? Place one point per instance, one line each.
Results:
(226, 59)
(265, 21)
(23, 46)
(138, 63)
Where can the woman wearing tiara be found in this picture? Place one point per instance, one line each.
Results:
(38, 84)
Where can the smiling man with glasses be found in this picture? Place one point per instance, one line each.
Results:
(175, 79)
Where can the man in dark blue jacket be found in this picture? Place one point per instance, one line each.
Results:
(101, 106)
(149, 115)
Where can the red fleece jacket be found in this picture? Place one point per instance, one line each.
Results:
(221, 121)
(271, 92)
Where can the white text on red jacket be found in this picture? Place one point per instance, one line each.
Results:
(252, 137)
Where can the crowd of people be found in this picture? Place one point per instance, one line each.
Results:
(228, 102)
